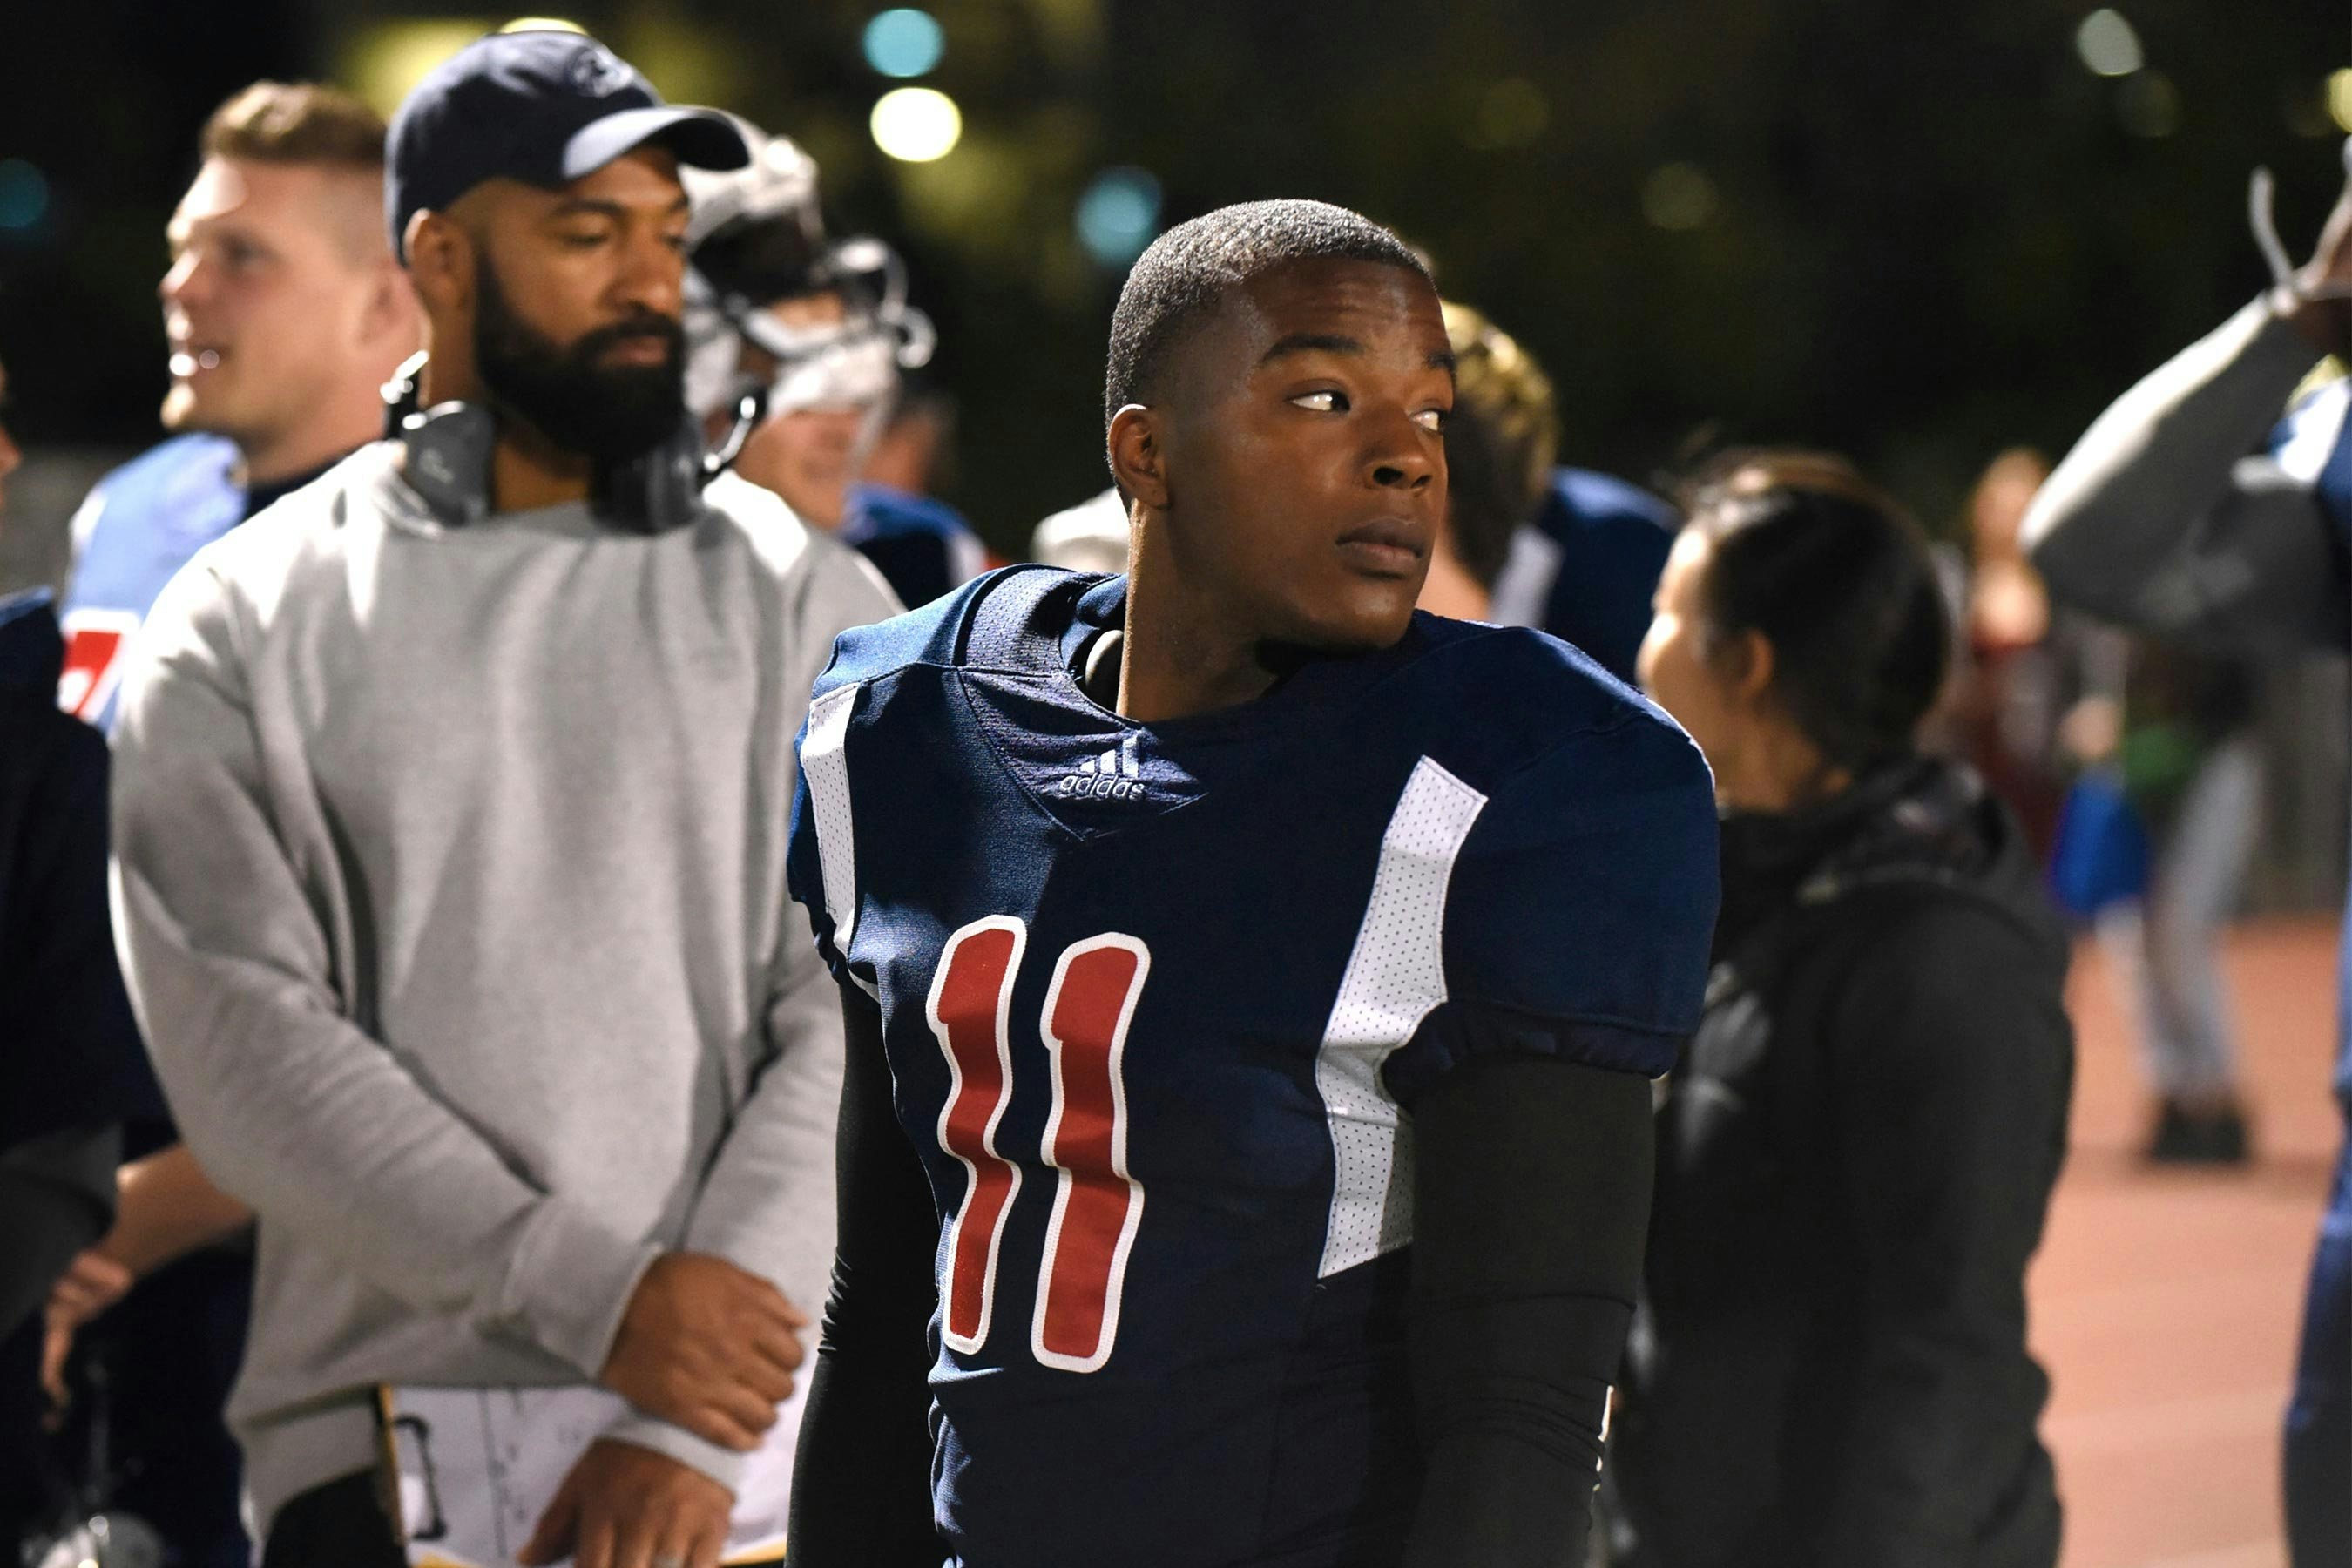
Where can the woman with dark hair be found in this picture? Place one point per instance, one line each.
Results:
(1857, 1151)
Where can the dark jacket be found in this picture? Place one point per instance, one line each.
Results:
(70, 1053)
(70, 1065)
(1855, 1160)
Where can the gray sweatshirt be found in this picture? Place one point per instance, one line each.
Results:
(450, 881)
(2167, 516)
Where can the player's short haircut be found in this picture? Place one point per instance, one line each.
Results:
(1500, 441)
(305, 125)
(297, 122)
(1838, 578)
(1177, 283)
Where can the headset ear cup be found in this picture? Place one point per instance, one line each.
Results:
(446, 461)
(657, 492)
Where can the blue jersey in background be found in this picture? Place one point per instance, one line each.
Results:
(1585, 568)
(138, 527)
(922, 547)
(2315, 439)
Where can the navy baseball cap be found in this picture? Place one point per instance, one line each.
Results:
(543, 107)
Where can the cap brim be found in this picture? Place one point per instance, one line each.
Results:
(702, 138)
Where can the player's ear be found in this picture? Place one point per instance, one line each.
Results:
(1748, 660)
(1138, 458)
(440, 261)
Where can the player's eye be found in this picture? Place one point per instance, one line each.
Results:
(1431, 419)
(1322, 401)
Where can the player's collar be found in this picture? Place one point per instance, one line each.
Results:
(1320, 686)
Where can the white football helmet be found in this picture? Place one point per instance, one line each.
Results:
(756, 237)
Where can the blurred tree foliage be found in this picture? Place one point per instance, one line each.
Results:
(1917, 234)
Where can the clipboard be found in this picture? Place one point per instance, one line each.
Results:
(472, 1468)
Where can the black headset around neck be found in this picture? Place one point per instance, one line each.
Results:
(446, 454)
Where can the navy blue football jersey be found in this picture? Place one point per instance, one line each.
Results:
(1157, 1000)
(1585, 567)
(2314, 442)
(922, 547)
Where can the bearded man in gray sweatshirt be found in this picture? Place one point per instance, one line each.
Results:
(451, 802)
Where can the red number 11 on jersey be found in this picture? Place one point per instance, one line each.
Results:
(1096, 1203)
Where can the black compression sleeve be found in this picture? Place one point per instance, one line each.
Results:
(862, 1479)
(1531, 1195)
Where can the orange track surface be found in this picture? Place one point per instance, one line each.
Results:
(2165, 1303)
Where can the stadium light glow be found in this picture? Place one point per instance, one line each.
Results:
(904, 42)
(2339, 100)
(1118, 215)
(2109, 45)
(384, 60)
(917, 124)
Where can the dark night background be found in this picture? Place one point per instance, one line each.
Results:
(1917, 234)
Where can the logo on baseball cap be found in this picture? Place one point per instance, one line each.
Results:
(542, 107)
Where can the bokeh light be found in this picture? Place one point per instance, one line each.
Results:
(24, 194)
(1679, 198)
(1512, 113)
(1118, 215)
(917, 124)
(2109, 44)
(904, 42)
(2339, 100)
(383, 60)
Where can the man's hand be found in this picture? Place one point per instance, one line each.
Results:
(707, 1346)
(165, 1208)
(626, 1507)
(92, 1284)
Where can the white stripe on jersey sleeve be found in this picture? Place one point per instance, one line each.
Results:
(825, 763)
(1522, 589)
(1396, 976)
(2312, 438)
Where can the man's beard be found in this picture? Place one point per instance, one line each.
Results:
(609, 412)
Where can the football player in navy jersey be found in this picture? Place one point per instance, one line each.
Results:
(1253, 988)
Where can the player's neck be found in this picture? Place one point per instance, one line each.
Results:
(1774, 770)
(1181, 657)
(317, 443)
(528, 471)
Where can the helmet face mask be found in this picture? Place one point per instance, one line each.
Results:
(757, 246)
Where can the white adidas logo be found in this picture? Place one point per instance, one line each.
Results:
(1114, 776)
